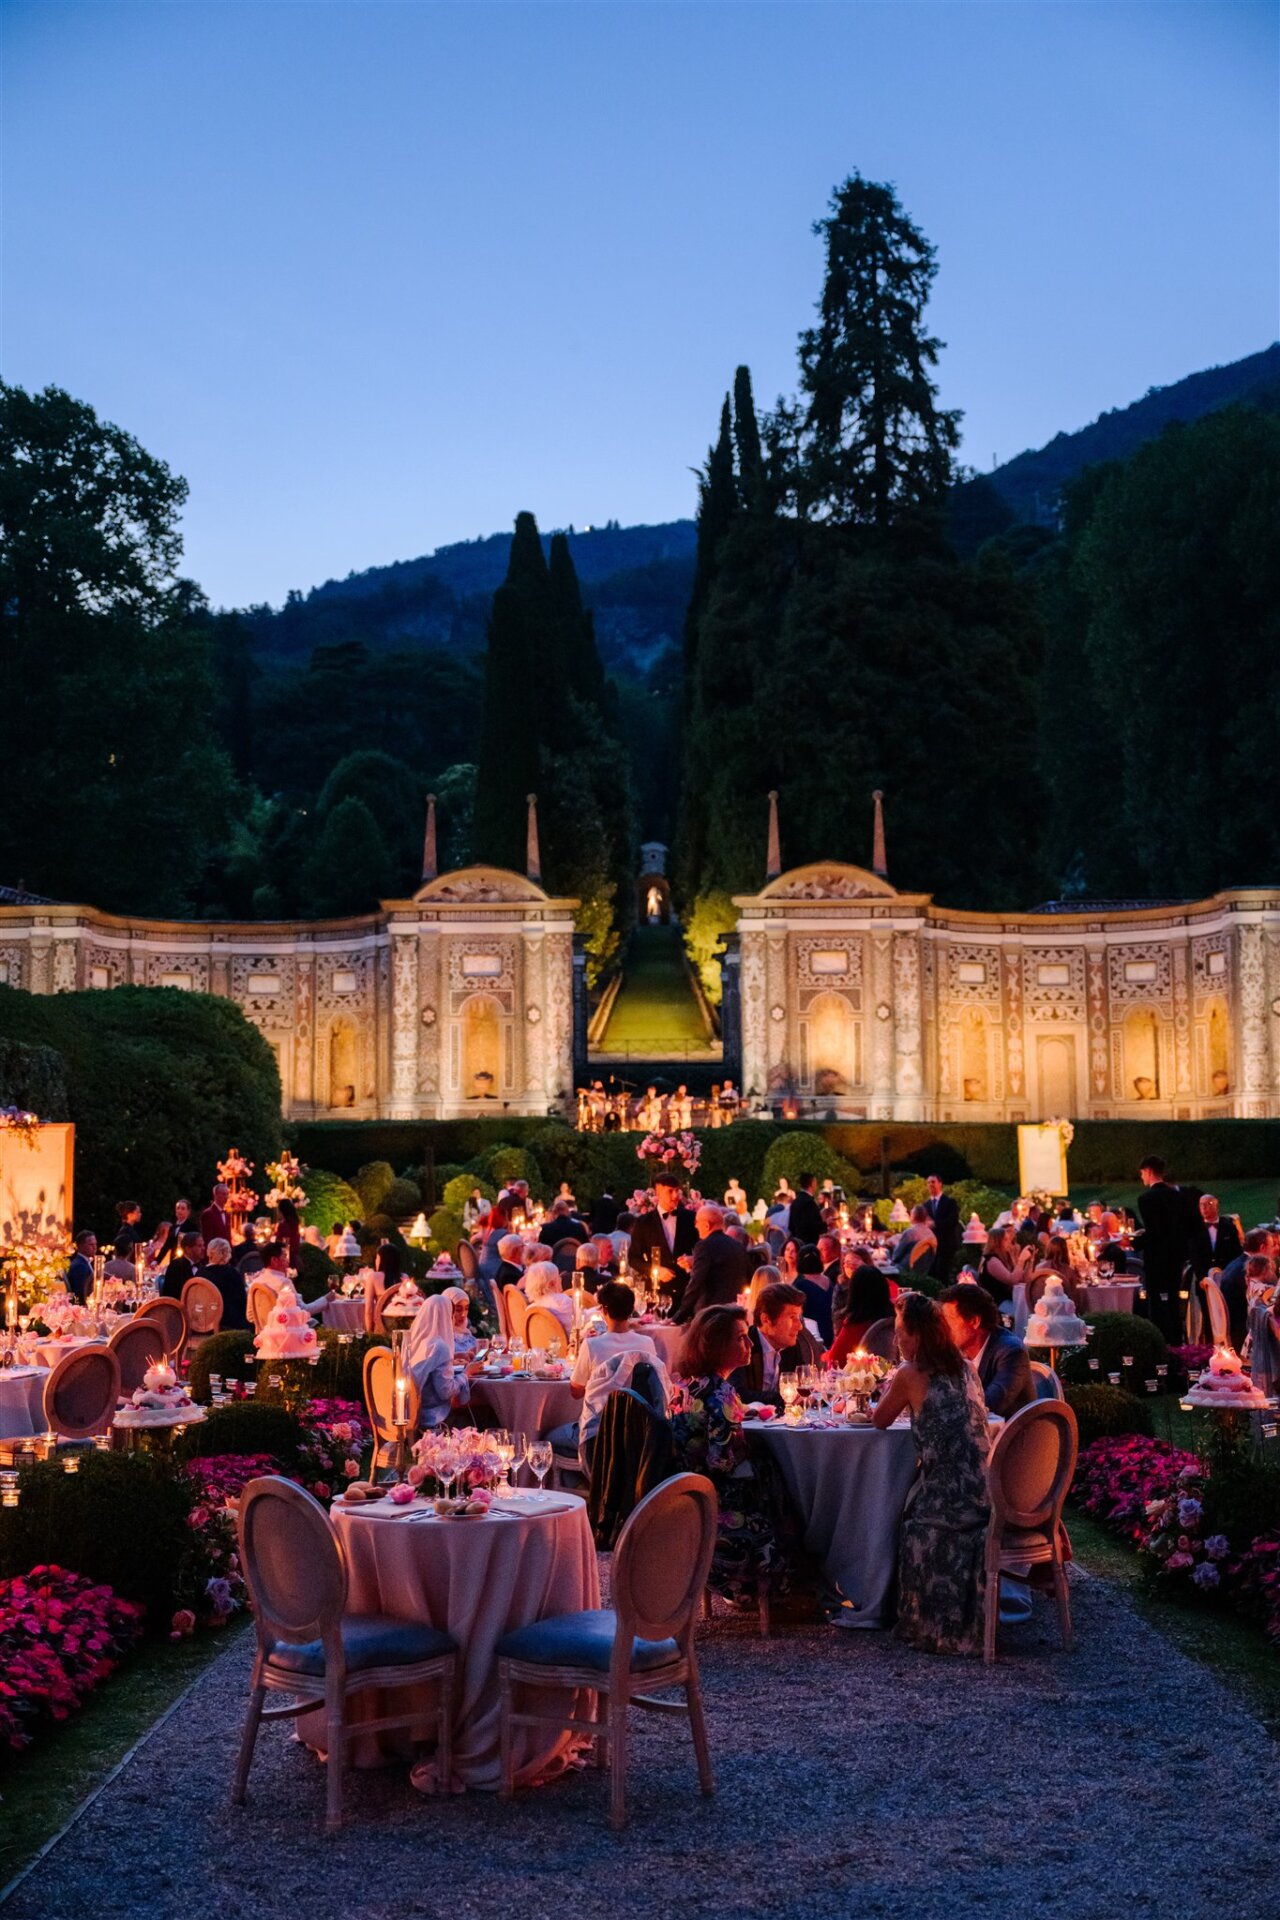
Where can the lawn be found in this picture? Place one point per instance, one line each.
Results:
(42, 1787)
(1254, 1200)
(655, 1012)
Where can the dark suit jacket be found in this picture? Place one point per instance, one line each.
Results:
(80, 1276)
(804, 1223)
(1164, 1237)
(1005, 1373)
(647, 1233)
(176, 1276)
(1236, 1294)
(748, 1381)
(945, 1215)
(1225, 1249)
(604, 1214)
(719, 1273)
(230, 1283)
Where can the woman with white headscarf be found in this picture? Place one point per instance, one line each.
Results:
(428, 1356)
(464, 1341)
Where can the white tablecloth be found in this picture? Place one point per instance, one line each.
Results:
(344, 1316)
(22, 1402)
(524, 1405)
(666, 1338)
(1113, 1296)
(849, 1486)
(478, 1579)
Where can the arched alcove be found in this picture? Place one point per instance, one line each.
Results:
(481, 1047)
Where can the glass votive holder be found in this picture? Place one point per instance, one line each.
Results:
(1185, 1405)
(1162, 1373)
(1151, 1386)
(1114, 1378)
(215, 1383)
(71, 1463)
(8, 1489)
(1094, 1363)
(102, 1442)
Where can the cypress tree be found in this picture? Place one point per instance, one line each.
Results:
(579, 657)
(514, 678)
(752, 476)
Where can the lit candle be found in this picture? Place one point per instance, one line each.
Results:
(11, 1306)
(400, 1401)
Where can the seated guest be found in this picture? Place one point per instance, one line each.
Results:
(1234, 1285)
(999, 1356)
(606, 1254)
(779, 1341)
(1054, 1260)
(543, 1288)
(942, 1544)
(495, 1229)
(708, 1438)
(596, 1370)
(80, 1268)
(1215, 1242)
(563, 1223)
(829, 1249)
(333, 1245)
(818, 1292)
(228, 1279)
(718, 1270)
(869, 1299)
(384, 1276)
(851, 1259)
(510, 1269)
(919, 1234)
(464, 1341)
(119, 1265)
(788, 1261)
(180, 1269)
(586, 1269)
(1109, 1246)
(1003, 1265)
(762, 1277)
(275, 1271)
(428, 1357)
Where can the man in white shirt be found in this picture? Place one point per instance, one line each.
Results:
(594, 1371)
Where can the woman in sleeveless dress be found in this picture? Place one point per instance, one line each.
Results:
(941, 1553)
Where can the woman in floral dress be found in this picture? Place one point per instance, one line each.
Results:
(942, 1546)
(707, 1431)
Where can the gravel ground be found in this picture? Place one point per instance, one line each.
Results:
(853, 1775)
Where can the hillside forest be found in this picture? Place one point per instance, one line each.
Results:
(1057, 673)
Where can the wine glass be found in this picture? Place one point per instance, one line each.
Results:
(519, 1453)
(539, 1456)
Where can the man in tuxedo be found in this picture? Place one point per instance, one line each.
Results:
(564, 1223)
(1164, 1246)
(670, 1233)
(780, 1342)
(719, 1270)
(945, 1217)
(80, 1268)
(1214, 1242)
(999, 1356)
(182, 1267)
(215, 1222)
(829, 1254)
(805, 1225)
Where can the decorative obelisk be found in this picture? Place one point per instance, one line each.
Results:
(532, 857)
(773, 856)
(430, 863)
(879, 860)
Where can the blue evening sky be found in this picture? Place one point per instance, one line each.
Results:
(376, 275)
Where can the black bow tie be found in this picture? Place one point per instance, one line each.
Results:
(671, 1215)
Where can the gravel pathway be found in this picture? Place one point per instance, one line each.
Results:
(854, 1778)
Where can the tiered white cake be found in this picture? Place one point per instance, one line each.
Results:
(1225, 1385)
(1055, 1322)
(159, 1402)
(288, 1334)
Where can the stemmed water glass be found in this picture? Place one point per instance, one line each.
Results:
(519, 1453)
(539, 1456)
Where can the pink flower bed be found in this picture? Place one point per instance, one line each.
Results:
(1152, 1495)
(60, 1637)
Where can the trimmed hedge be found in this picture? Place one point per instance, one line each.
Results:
(373, 1182)
(1102, 1412)
(34, 1078)
(329, 1198)
(1115, 1335)
(159, 1084)
(338, 1372)
(244, 1427)
(121, 1519)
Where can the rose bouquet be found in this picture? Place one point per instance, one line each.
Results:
(672, 1153)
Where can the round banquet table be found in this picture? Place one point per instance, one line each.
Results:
(1110, 1296)
(344, 1316)
(22, 1402)
(849, 1485)
(666, 1338)
(49, 1352)
(477, 1579)
(522, 1404)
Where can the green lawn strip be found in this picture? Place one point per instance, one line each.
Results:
(41, 1787)
(655, 1007)
(1235, 1650)
(1253, 1200)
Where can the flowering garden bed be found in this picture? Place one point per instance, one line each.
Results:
(1207, 1525)
(61, 1636)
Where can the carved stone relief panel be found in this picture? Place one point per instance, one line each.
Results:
(1098, 1022)
(404, 1018)
(190, 970)
(881, 1005)
(1181, 1021)
(558, 1014)
(104, 967)
(263, 986)
(12, 968)
(1013, 1022)
(907, 1037)
(1053, 984)
(1141, 973)
(973, 975)
(64, 966)
(754, 1013)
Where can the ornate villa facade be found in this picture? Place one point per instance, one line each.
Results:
(865, 1003)
(458, 1001)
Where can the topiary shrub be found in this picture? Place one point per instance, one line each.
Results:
(503, 1164)
(229, 1354)
(458, 1191)
(798, 1151)
(315, 1269)
(402, 1199)
(243, 1426)
(1103, 1412)
(373, 1182)
(121, 1519)
(339, 1372)
(445, 1229)
(329, 1198)
(1115, 1336)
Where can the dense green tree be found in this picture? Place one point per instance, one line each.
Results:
(108, 664)
(348, 869)
(395, 798)
(455, 791)
(753, 479)
(579, 658)
(870, 442)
